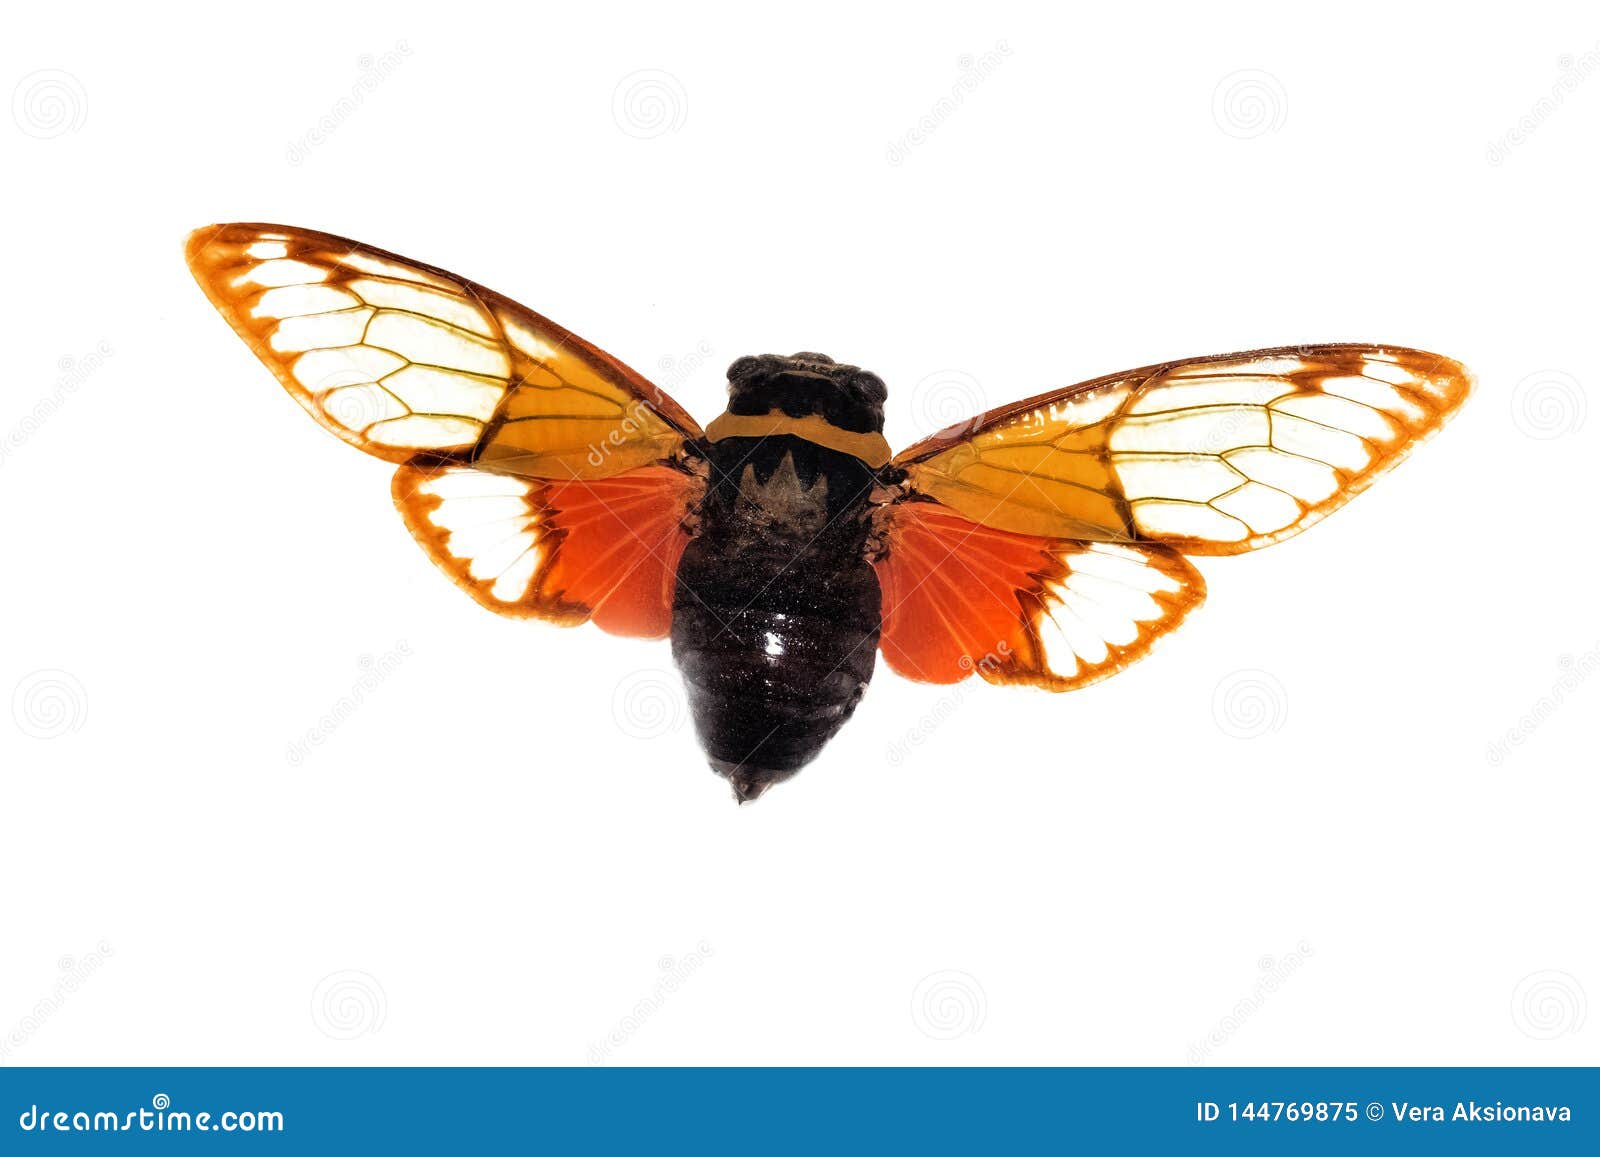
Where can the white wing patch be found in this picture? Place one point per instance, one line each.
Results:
(485, 529)
(1108, 607)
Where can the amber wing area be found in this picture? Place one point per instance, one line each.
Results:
(1043, 543)
(543, 475)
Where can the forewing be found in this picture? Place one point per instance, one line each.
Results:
(1214, 455)
(397, 358)
(959, 597)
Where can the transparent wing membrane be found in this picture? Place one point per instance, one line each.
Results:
(1213, 456)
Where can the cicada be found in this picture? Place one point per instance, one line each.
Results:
(784, 546)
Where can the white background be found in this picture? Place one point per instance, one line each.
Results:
(1346, 815)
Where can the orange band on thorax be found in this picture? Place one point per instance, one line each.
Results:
(873, 449)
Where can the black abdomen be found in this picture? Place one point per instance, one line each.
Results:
(775, 620)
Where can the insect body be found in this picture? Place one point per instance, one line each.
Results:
(783, 547)
(776, 615)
